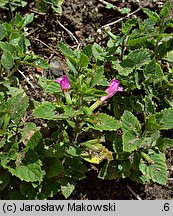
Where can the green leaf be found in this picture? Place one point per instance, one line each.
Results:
(7, 60)
(97, 76)
(66, 50)
(72, 151)
(57, 9)
(109, 6)
(27, 19)
(40, 62)
(67, 188)
(157, 171)
(87, 50)
(150, 107)
(98, 52)
(131, 132)
(27, 189)
(166, 9)
(31, 137)
(151, 123)
(95, 153)
(83, 60)
(137, 42)
(75, 168)
(29, 126)
(164, 119)
(71, 66)
(124, 10)
(7, 47)
(153, 72)
(17, 106)
(3, 3)
(165, 46)
(152, 15)
(53, 167)
(123, 71)
(115, 169)
(34, 140)
(46, 111)
(29, 173)
(2, 31)
(102, 122)
(49, 86)
(164, 143)
(50, 187)
(169, 56)
(137, 58)
(128, 25)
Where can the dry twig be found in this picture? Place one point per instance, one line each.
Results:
(26, 79)
(170, 179)
(132, 191)
(122, 18)
(69, 32)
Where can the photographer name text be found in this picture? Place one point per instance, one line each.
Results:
(69, 207)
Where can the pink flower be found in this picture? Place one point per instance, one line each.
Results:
(64, 82)
(112, 89)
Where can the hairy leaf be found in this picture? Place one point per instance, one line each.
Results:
(2, 31)
(67, 188)
(156, 171)
(131, 132)
(7, 60)
(46, 111)
(166, 9)
(102, 122)
(162, 120)
(164, 143)
(152, 15)
(137, 58)
(83, 60)
(17, 106)
(66, 50)
(29, 173)
(53, 167)
(98, 52)
(153, 72)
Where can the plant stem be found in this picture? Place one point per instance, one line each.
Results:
(13, 70)
(95, 105)
(67, 97)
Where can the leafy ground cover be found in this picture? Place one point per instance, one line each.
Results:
(86, 100)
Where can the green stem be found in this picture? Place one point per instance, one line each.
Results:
(13, 70)
(95, 105)
(67, 97)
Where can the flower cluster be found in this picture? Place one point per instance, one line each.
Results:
(111, 90)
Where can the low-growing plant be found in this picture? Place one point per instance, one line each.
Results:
(44, 5)
(112, 109)
(14, 46)
(12, 4)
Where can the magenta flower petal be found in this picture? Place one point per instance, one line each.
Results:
(58, 80)
(64, 82)
(112, 89)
